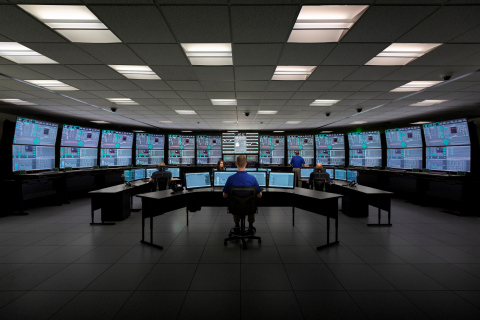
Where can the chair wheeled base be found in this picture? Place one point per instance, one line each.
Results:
(242, 235)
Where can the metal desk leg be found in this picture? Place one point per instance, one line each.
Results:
(379, 213)
(151, 244)
(329, 244)
(293, 216)
(187, 216)
(99, 223)
(336, 229)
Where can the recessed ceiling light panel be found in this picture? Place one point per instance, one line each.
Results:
(316, 24)
(53, 85)
(224, 102)
(99, 121)
(293, 72)
(427, 103)
(209, 54)
(76, 23)
(415, 86)
(18, 102)
(122, 101)
(136, 72)
(293, 122)
(400, 54)
(267, 112)
(421, 122)
(20, 54)
(323, 103)
(358, 122)
(185, 111)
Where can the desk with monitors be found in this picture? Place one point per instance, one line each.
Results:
(239, 143)
(447, 133)
(364, 140)
(449, 158)
(28, 158)
(410, 137)
(195, 180)
(405, 158)
(281, 180)
(78, 157)
(209, 149)
(75, 136)
(366, 158)
(115, 157)
(272, 150)
(303, 144)
(181, 149)
(34, 132)
(150, 148)
(331, 157)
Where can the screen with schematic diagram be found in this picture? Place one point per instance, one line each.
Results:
(181, 149)
(331, 157)
(149, 157)
(78, 157)
(112, 139)
(35, 132)
(31, 158)
(272, 150)
(447, 133)
(115, 157)
(209, 149)
(410, 137)
(364, 140)
(409, 158)
(366, 158)
(330, 141)
(82, 137)
(448, 158)
(304, 145)
(240, 142)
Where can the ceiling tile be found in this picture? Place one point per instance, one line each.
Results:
(85, 84)
(151, 84)
(305, 54)
(342, 54)
(174, 72)
(97, 72)
(112, 53)
(58, 72)
(317, 85)
(164, 94)
(284, 85)
(65, 53)
(350, 85)
(256, 54)
(251, 85)
(214, 73)
(161, 54)
(278, 95)
(119, 84)
(218, 85)
(192, 94)
(254, 73)
(447, 54)
(221, 95)
(22, 73)
(185, 85)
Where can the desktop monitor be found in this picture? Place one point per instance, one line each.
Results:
(150, 172)
(264, 169)
(139, 174)
(128, 175)
(195, 180)
(229, 157)
(331, 173)
(261, 178)
(352, 175)
(115, 157)
(448, 158)
(340, 174)
(305, 172)
(220, 178)
(251, 169)
(175, 172)
(281, 180)
(231, 169)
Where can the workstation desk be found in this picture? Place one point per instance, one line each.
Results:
(319, 202)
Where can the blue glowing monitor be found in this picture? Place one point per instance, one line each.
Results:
(340, 174)
(331, 173)
(352, 175)
(139, 174)
(175, 172)
(220, 178)
(150, 172)
(261, 178)
(305, 172)
(250, 169)
(129, 175)
(281, 180)
(197, 180)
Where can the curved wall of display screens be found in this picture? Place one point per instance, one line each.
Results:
(181, 149)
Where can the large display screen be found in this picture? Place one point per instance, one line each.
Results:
(32, 158)
(178, 157)
(74, 136)
(272, 150)
(447, 133)
(220, 178)
(239, 142)
(364, 140)
(411, 158)
(303, 144)
(331, 157)
(181, 142)
(181, 149)
(209, 149)
(146, 157)
(115, 157)
(197, 180)
(330, 141)
(404, 138)
(448, 158)
(366, 158)
(78, 157)
(116, 139)
(34, 132)
(149, 141)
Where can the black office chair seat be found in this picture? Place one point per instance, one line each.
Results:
(242, 202)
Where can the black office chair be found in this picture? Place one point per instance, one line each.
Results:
(242, 202)
(162, 183)
(319, 181)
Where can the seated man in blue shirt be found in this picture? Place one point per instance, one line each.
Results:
(297, 163)
(242, 179)
(161, 173)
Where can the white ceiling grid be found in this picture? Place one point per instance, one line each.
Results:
(151, 32)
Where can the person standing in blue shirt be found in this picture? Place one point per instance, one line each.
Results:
(242, 179)
(297, 163)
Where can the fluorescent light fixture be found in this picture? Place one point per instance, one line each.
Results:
(293, 72)
(267, 112)
(209, 54)
(230, 121)
(123, 101)
(185, 111)
(427, 103)
(53, 85)
(323, 103)
(18, 102)
(415, 86)
(186, 131)
(325, 131)
(76, 23)
(358, 122)
(138, 131)
(232, 131)
(278, 131)
(421, 122)
(164, 121)
(400, 54)
(136, 72)
(18, 53)
(316, 24)
(99, 121)
(293, 122)
(224, 102)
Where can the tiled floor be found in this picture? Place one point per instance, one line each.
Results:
(54, 265)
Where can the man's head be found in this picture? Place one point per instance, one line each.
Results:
(319, 166)
(161, 166)
(241, 161)
(297, 153)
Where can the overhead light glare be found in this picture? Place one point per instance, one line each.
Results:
(136, 72)
(53, 85)
(415, 86)
(232, 131)
(293, 72)
(209, 54)
(185, 111)
(267, 112)
(122, 101)
(138, 131)
(165, 121)
(400, 54)
(323, 103)
(427, 103)
(317, 24)
(358, 122)
(76, 23)
(18, 102)
(293, 122)
(224, 102)
(186, 131)
(421, 122)
(230, 121)
(278, 131)
(20, 54)
(99, 121)
(326, 131)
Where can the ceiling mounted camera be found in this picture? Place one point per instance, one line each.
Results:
(114, 109)
(327, 114)
(359, 110)
(446, 76)
(247, 114)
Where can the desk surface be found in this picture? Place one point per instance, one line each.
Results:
(120, 187)
(364, 189)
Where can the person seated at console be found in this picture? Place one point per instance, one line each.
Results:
(242, 179)
(220, 166)
(319, 172)
(161, 173)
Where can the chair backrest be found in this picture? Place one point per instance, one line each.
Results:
(242, 200)
(319, 180)
(162, 183)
